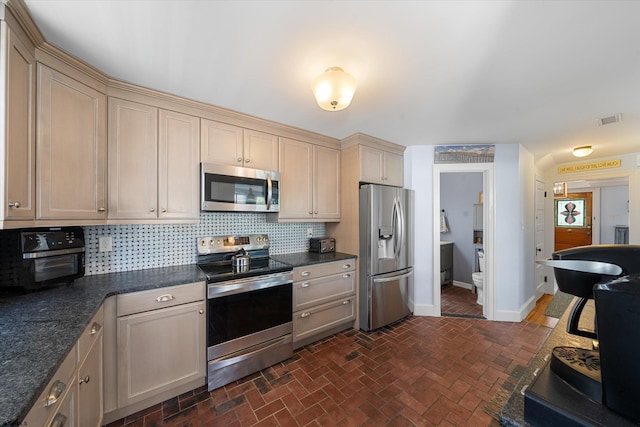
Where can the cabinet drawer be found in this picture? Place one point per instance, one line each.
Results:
(324, 289)
(58, 386)
(91, 332)
(310, 322)
(154, 299)
(324, 269)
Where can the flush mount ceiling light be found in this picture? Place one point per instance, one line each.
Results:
(583, 151)
(334, 89)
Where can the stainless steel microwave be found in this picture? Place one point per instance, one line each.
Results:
(237, 189)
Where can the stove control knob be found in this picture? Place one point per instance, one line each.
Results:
(212, 242)
(203, 243)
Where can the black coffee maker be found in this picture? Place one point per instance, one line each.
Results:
(603, 381)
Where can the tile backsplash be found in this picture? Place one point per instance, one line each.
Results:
(161, 245)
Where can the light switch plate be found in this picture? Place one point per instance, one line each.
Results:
(105, 244)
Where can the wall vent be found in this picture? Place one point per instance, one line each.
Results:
(611, 119)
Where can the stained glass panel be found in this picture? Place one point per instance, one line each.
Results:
(570, 213)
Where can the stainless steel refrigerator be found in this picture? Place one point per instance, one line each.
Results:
(386, 255)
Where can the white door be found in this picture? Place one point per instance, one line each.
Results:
(539, 270)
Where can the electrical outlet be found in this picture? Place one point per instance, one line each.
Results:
(309, 232)
(105, 244)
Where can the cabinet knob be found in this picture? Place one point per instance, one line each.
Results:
(239, 159)
(247, 160)
(85, 379)
(346, 266)
(54, 394)
(310, 212)
(305, 273)
(101, 209)
(305, 314)
(95, 328)
(164, 209)
(346, 302)
(152, 210)
(346, 275)
(201, 311)
(315, 212)
(14, 204)
(304, 285)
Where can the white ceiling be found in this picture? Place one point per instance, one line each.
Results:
(536, 73)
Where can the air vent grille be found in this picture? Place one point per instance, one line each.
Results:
(609, 120)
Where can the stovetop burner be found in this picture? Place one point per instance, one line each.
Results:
(215, 257)
(223, 271)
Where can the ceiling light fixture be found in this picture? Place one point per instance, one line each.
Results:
(583, 151)
(334, 89)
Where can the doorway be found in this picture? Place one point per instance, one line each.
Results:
(485, 172)
(572, 220)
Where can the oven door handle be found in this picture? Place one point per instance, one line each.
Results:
(234, 358)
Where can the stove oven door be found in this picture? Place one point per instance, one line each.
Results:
(249, 326)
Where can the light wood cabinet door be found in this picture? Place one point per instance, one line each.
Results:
(371, 165)
(19, 127)
(71, 146)
(177, 334)
(221, 143)
(178, 166)
(393, 169)
(326, 183)
(260, 150)
(381, 167)
(90, 392)
(296, 180)
(133, 160)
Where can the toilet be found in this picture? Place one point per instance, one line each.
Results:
(478, 277)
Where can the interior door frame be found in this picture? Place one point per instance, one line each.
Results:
(488, 233)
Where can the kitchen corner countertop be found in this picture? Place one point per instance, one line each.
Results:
(37, 330)
(299, 259)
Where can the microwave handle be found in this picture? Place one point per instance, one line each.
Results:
(269, 191)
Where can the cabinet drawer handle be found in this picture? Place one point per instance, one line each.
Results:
(346, 302)
(54, 394)
(58, 421)
(346, 266)
(305, 273)
(165, 298)
(346, 275)
(95, 328)
(305, 285)
(305, 314)
(85, 379)
(14, 204)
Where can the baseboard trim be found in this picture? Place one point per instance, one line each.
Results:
(516, 316)
(463, 285)
(423, 310)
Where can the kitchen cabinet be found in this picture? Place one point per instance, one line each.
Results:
(17, 89)
(323, 300)
(380, 167)
(153, 162)
(71, 147)
(232, 145)
(169, 322)
(309, 182)
(74, 396)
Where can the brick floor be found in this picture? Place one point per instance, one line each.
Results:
(457, 301)
(423, 371)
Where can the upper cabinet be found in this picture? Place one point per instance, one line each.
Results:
(232, 145)
(17, 87)
(71, 147)
(379, 166)
(309, 182)
(153, 162)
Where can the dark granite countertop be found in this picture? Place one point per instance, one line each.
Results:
(512, 414)
(38, 330)
(298, 259)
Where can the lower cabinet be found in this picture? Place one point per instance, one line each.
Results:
(74, 396)
(324, 300)
(156, 347)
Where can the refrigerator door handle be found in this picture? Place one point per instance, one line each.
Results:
(391, 279)
(398, 226)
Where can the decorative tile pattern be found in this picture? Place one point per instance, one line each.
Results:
(160, 245)
(423, 371)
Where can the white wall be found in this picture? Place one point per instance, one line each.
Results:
(514, 197)
(613, 211)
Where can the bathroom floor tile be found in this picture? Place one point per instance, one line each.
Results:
(457, 301)
(421, 371)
